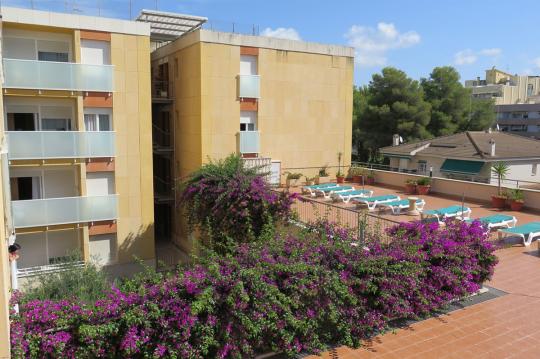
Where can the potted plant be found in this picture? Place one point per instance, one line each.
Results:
(410, 186)
(310, 181)
(499, 169)
(516, 199)
(323, 175)
(423, 185)
(340, 177)
(371, 178)
(356, 173)
(292, 178)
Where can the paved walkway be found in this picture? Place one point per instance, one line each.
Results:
(505, 327)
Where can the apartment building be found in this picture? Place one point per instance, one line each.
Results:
(279, 103)
(76, 115)
(520, 119)
(505, 88)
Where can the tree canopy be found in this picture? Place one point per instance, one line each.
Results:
(435, 106)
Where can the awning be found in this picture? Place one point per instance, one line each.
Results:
(460, 166)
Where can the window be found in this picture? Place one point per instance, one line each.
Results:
(97, 122)
(95, 52)
(530, 89)
(248, 121)
(248, 65)
(422, 166)
(52, 56)
(534, 169)
(55, 124)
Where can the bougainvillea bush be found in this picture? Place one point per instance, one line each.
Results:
(232, 204)
(291, 294)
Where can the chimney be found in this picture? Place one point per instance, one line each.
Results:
(395, 140)
(492, 143)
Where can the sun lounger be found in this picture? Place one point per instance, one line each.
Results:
(348, 195)
(329, 191)
(397, 206)
(311, 189)
(448, 212)
(527, 232)
(496, 221)
(372, 202)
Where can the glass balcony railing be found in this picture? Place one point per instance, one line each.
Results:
(249, 86)
(48, 75)
(28, 145)
(53, 211)
(248, 141)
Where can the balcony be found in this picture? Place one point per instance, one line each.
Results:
(248, 142)
(48, 75)
(249, 86)
(29, 145)
(54, 211)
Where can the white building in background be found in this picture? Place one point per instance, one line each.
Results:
(505, 88)
(520, 119)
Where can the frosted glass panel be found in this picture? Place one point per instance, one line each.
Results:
(248, 86)
(249, 141)
(49, 75)
(27, 145)
(52, 211)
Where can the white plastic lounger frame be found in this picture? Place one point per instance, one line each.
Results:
(328, 194)
(311, 189)
(373, 204)
(346, 198)
(526, 237)
(461, 215)
(397, 209)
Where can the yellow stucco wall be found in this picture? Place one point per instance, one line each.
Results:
(132, 122)
(305, 109)
(304, 115)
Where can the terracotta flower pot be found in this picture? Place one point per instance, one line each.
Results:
(498, 201)
(516, 205)
(357, 179)
(340, 179)
(423, 189)
(410, 188)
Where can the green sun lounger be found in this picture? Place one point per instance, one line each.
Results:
(372, 202)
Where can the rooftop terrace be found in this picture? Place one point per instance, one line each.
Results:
(503, 327)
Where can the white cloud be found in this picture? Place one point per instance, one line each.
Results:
(468, 56)
(282, 32)
(465, 57)
(493, 52)
(372, 44)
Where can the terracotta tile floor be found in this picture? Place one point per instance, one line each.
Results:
(505, 327)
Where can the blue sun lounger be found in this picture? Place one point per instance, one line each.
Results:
(448, 212)
(348, 195)
(527, 232)
(496, 221)
(311, 189)
(372, 202)
(397, 206)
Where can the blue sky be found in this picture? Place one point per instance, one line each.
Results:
(413, 35)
